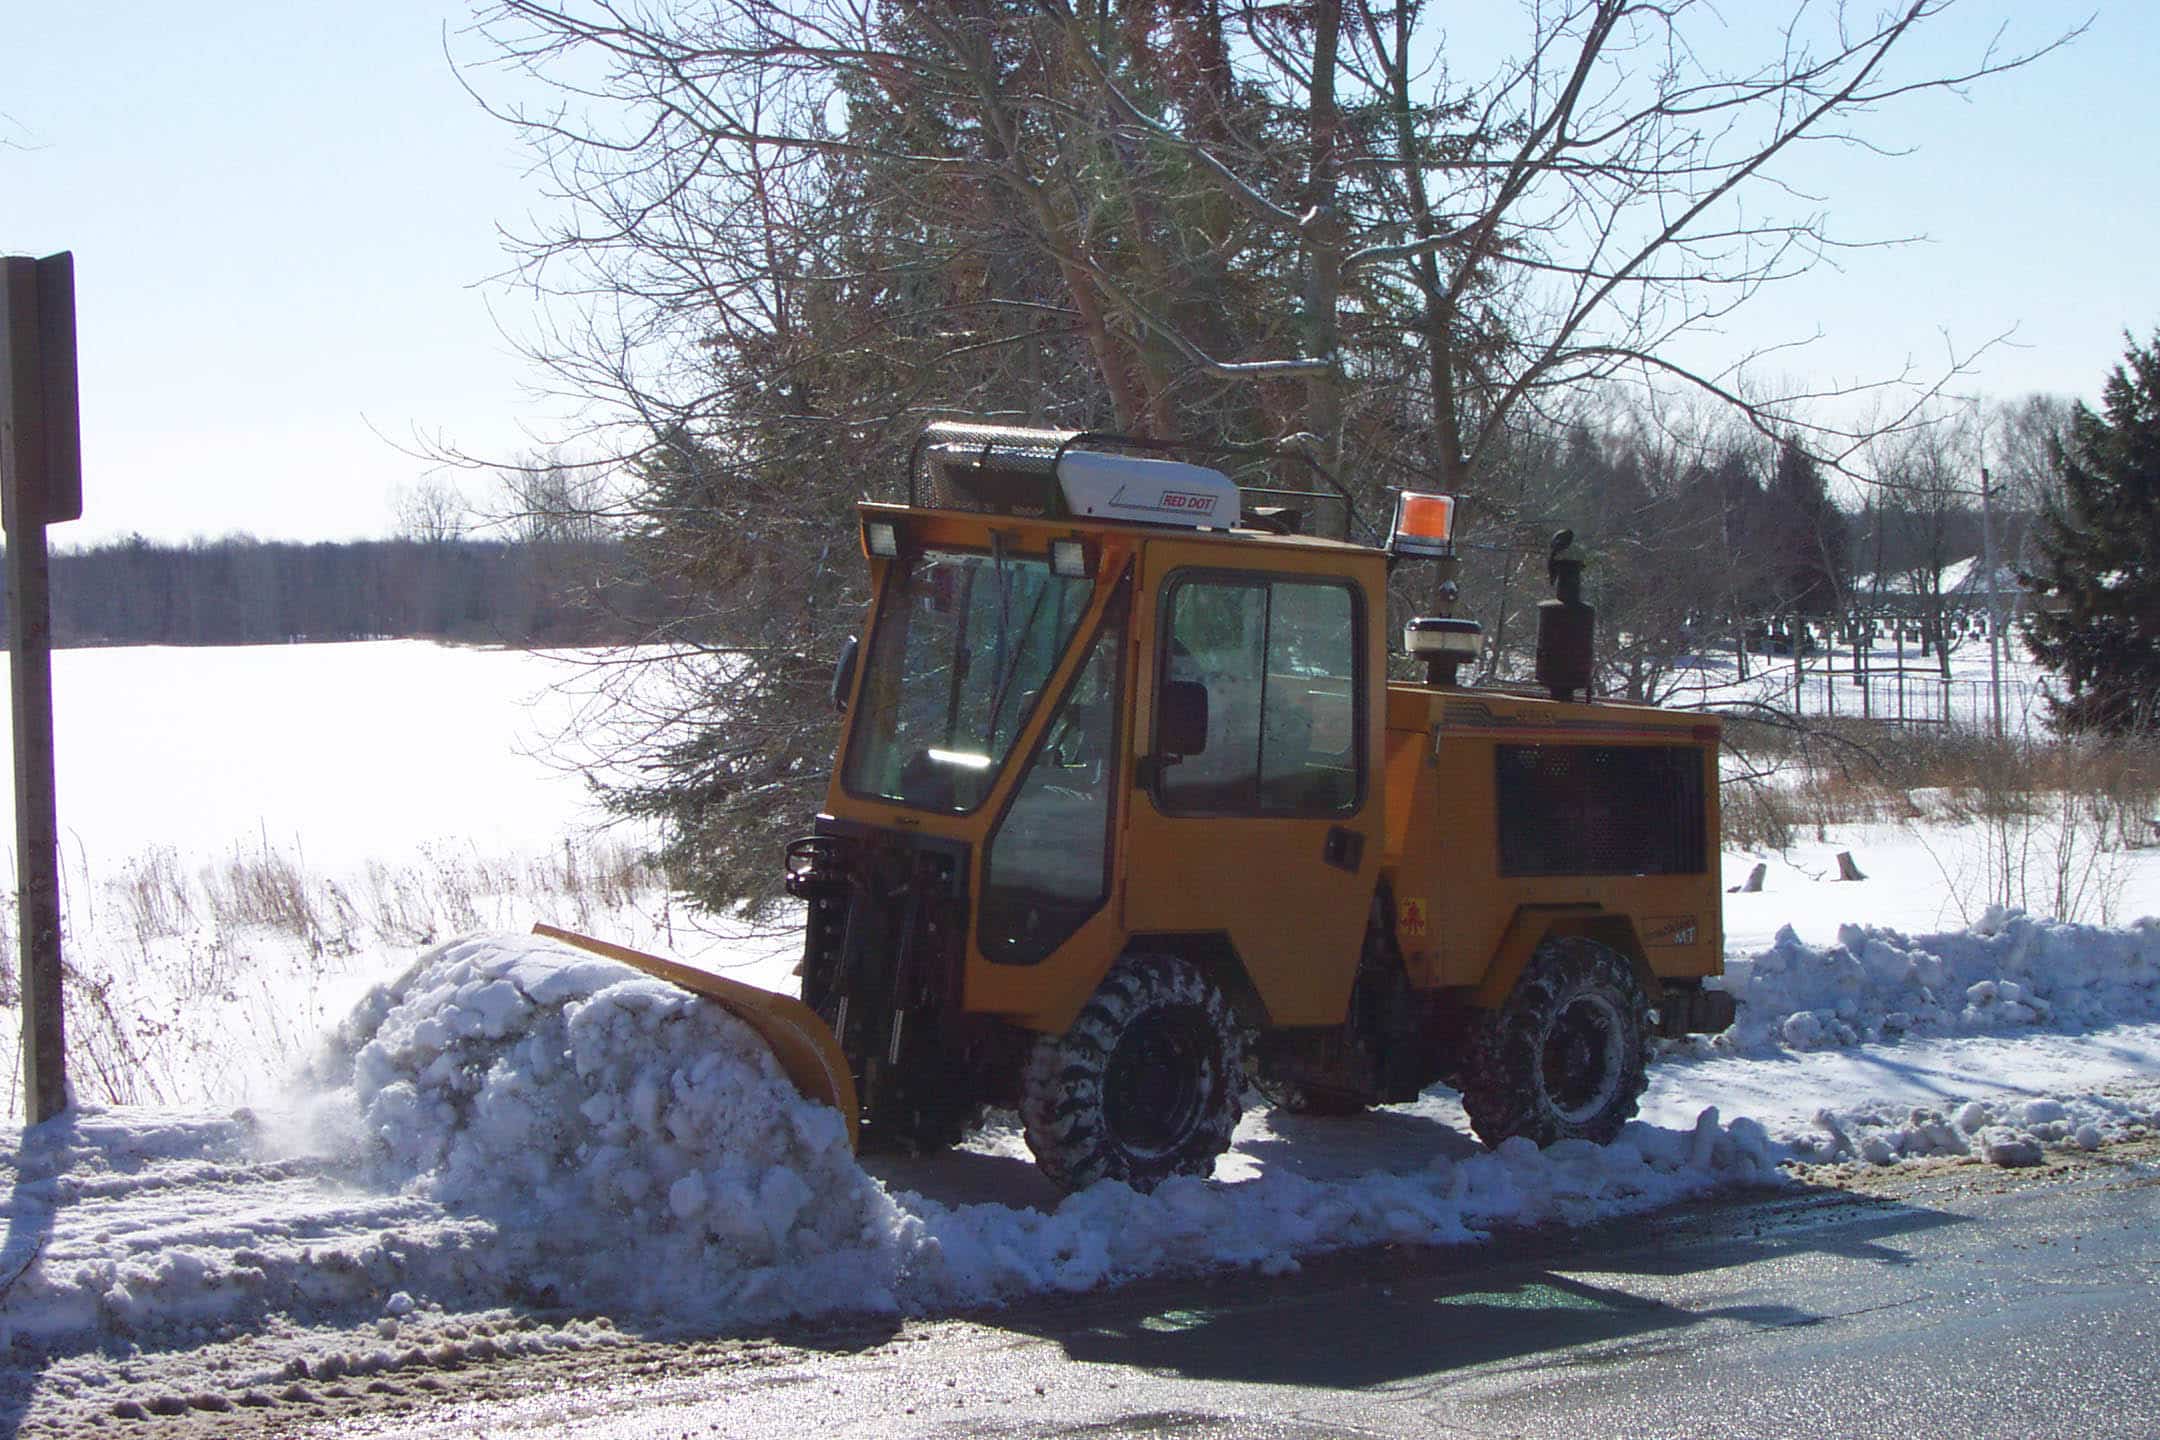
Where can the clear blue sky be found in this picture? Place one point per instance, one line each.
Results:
(284, 219)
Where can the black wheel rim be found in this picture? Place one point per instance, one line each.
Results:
(1154, 1087)
(1582, 1058)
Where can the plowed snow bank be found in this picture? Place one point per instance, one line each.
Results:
(512, 1122)
(2006, 972)
(1898, 998)
(593, 1112)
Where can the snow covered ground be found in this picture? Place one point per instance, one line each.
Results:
(1898, 683)
(516, 1147)
(373, 751)
(250, 837)
(501, 1145)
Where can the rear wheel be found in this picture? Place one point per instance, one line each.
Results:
(1144, 1085)
(1563, 1058)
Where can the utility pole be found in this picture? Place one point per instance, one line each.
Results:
(40, 484)
(1987, 562)
(1994, 596)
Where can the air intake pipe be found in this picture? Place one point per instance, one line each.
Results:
(1566, 627)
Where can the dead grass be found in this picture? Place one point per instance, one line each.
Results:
(1779, 784)
(165, 963)
(267, 889)
(451, 892)
(154, 897)
(2056, 817)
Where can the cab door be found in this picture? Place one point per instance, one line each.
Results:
(1269, 832)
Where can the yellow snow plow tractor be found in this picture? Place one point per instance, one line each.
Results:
(1127, 812)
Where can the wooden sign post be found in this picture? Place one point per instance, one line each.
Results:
(40, 485)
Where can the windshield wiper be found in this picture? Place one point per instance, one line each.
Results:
(1003, 575)
(1006, 677)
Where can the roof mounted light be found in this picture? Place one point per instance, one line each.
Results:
(1431, 635)
(1081, 474)
(881, 538)
(1424, 526)
(1069, 558)
(1445, 643)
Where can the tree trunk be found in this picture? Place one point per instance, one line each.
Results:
(1323, 242)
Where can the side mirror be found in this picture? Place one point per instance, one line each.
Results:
(1183, 728)
(843, 675)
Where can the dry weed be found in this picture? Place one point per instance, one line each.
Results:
(2054, 816)
(154, 897)
(167, 962)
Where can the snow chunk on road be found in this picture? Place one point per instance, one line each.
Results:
(2006, 1132)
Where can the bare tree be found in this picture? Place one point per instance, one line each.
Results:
(2021, 438)
(549, 499)
(1929, 504)
(431, 510)
(1562, 221)
(789, 232)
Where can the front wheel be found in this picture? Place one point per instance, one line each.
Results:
(1562, 1059)
(1144, 1085)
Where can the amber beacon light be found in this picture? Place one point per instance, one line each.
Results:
(1424, 525)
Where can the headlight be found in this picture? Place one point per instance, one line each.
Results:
(1069, 558)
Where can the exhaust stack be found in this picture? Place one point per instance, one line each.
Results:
(1566, 627)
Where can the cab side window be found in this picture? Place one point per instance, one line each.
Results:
(1279, 659)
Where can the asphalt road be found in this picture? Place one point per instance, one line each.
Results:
(1954, 1301)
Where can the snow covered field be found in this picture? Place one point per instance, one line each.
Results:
(252, 836)
(501, 1145)
(348, 753)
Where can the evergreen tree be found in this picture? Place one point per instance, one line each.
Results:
(2098, 623)
(1805, 535)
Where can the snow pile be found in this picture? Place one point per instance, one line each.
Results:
(176, 1230)
(513, 1124)
(1108, 1233)
(1917, 1038)
(636, 1144)
(2002, 1132)
(2008, 971)
(595, 1114)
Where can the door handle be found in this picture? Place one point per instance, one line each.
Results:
(1343, 848)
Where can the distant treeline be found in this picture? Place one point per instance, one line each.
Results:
(241, 591)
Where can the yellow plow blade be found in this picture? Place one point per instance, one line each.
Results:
(799, 1040)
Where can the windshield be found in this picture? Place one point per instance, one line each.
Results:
(964, 644)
